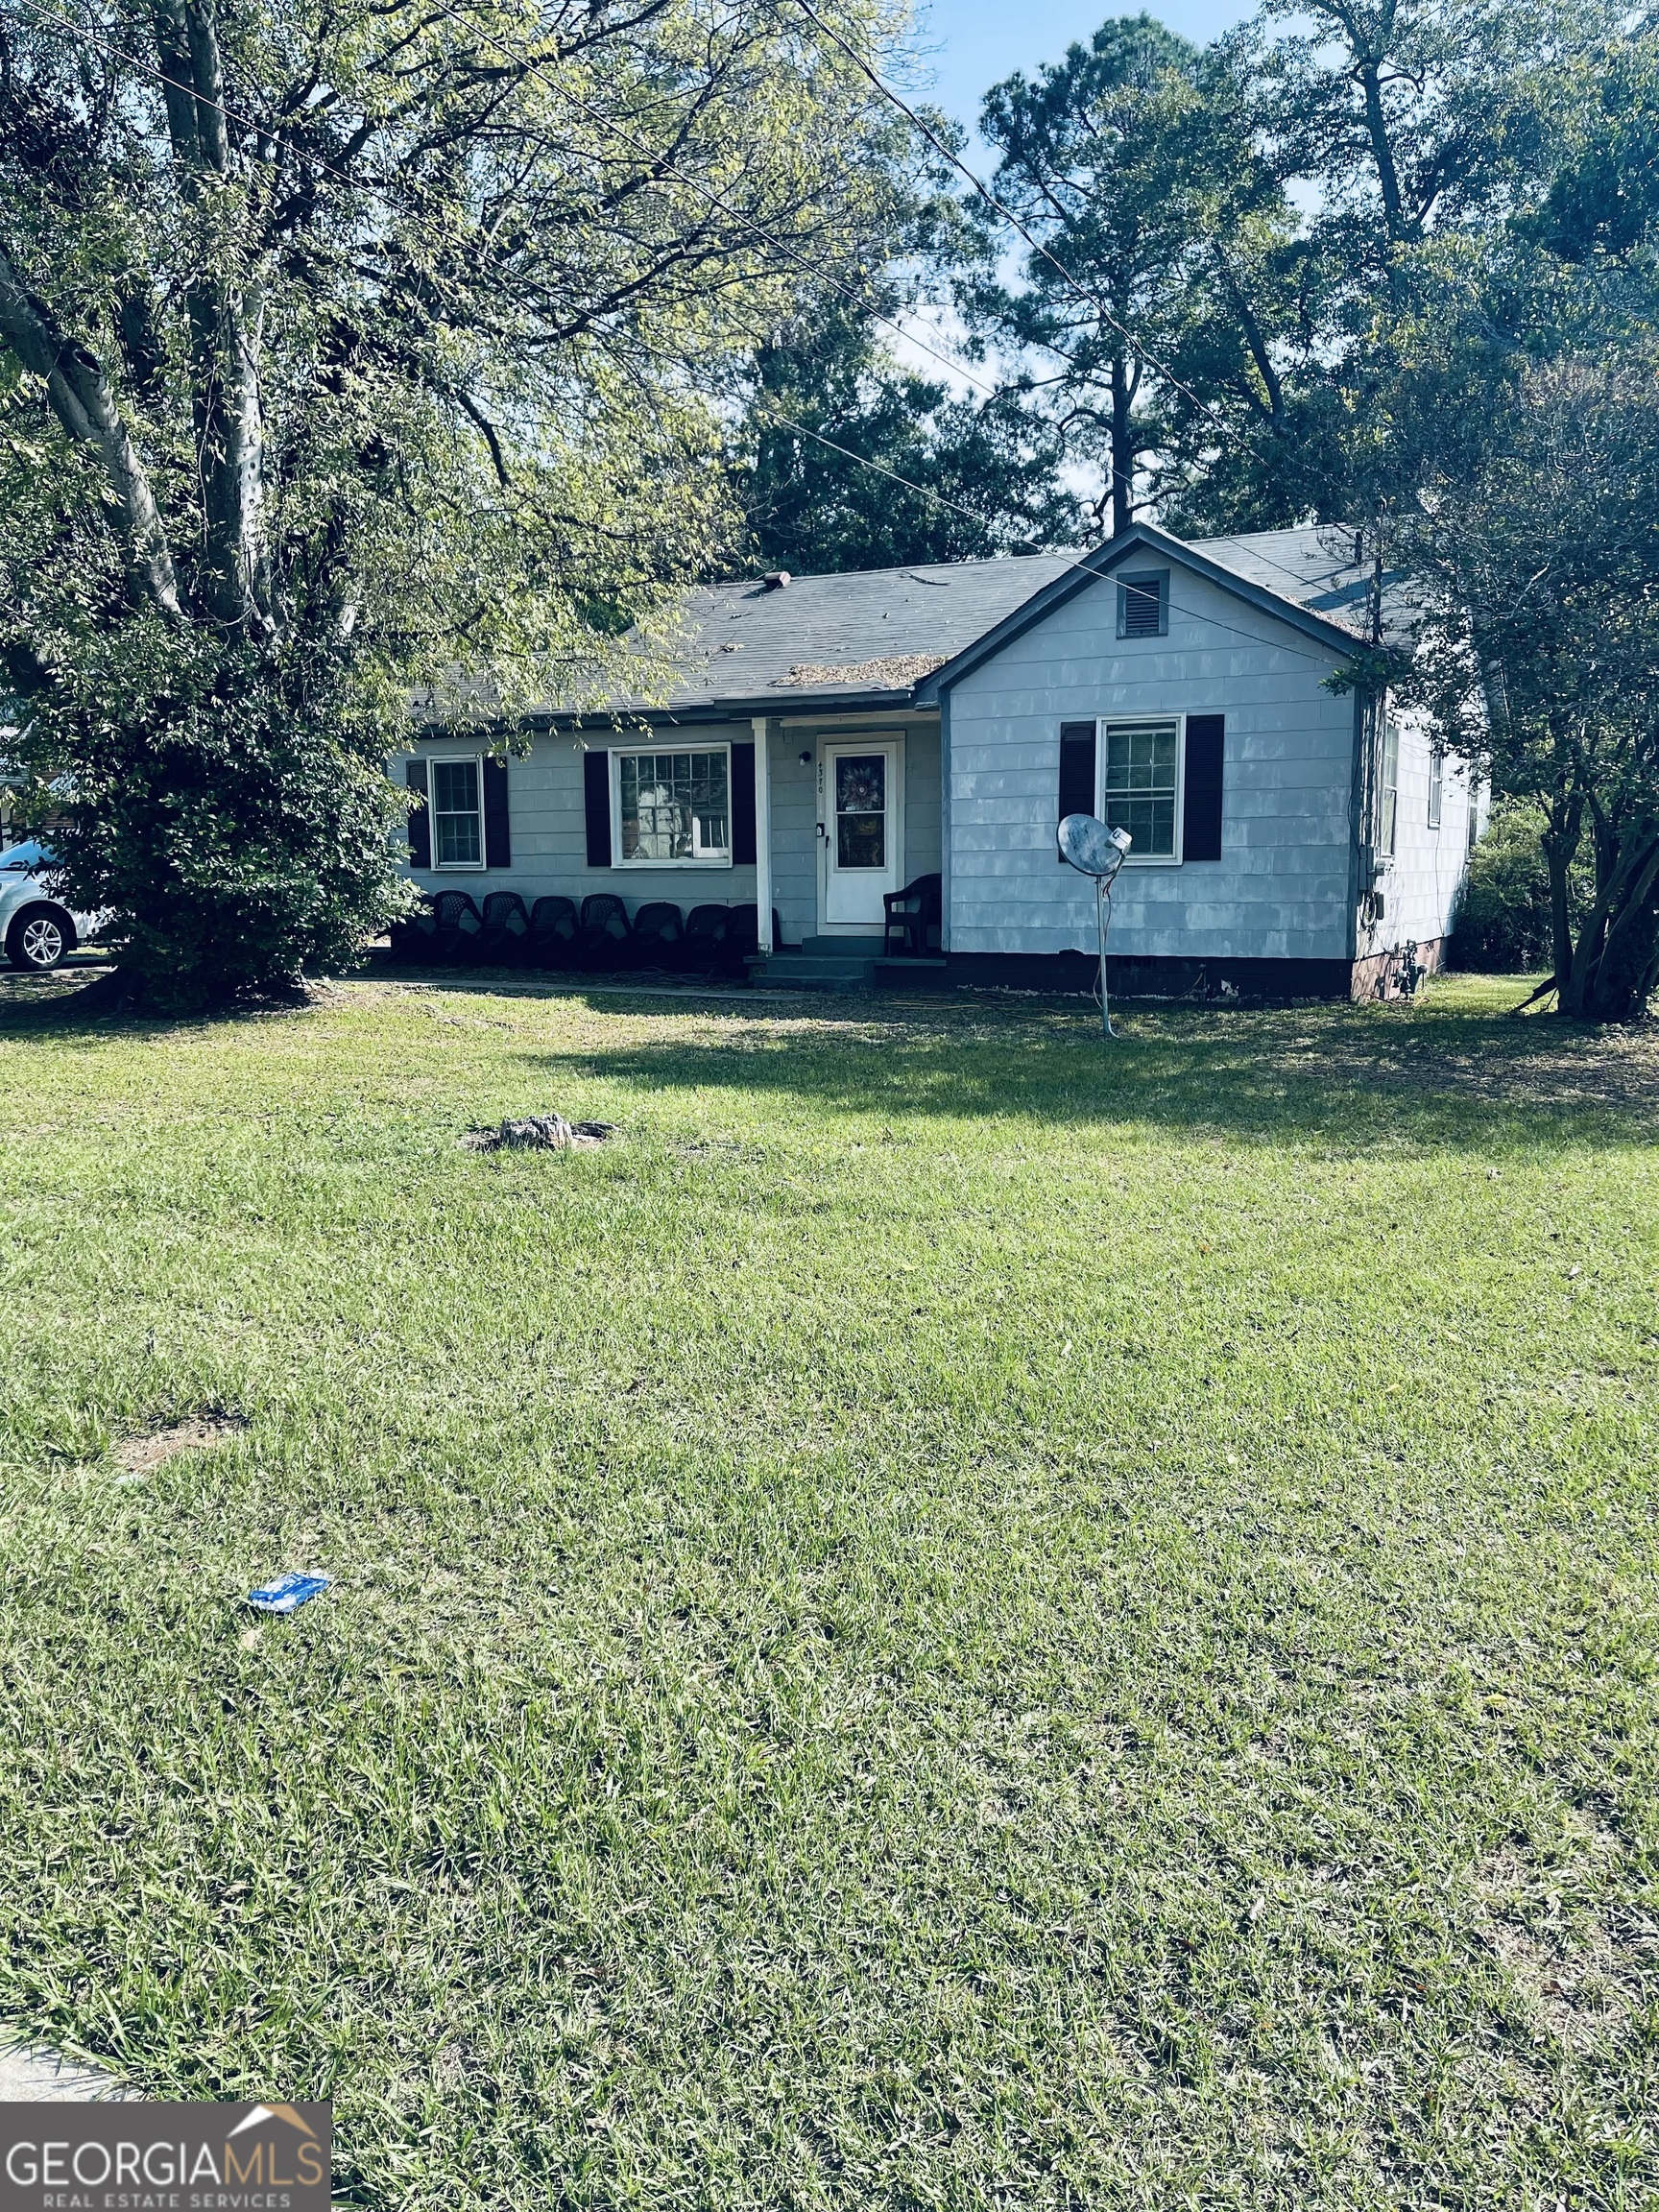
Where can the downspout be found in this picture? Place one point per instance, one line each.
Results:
(1359, 818)
(944, 821)
(763, 728)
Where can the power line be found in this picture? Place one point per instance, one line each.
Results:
(519, 56)
(715, 201)
(1076, 561)
(802, 429)
(1007, 215)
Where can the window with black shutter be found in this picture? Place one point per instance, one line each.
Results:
(419, 820)
(497, 830)
(1076, 773)
(1201, 798)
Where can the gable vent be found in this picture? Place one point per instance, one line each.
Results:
(1140, 606)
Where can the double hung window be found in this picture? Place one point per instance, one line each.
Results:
(1142, 779)
(1388, 793)
(457, 814)
(673, 808)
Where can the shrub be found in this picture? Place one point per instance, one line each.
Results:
(1503, 920)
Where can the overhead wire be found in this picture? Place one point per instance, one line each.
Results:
(776, 414)
(1006, 214)
(522, 59)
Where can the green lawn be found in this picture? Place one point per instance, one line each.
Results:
(959, 1618)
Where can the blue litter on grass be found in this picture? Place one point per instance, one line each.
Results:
(287, 1592)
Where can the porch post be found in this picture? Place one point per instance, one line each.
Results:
(762, 728)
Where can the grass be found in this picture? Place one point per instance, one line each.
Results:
(957, 1619)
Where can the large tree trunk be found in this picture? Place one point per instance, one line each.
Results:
(1619, 981)
(1564, 827)
(84, 401)
(1124, 451)
(225, 333)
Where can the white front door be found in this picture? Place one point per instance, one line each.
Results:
(860, 831)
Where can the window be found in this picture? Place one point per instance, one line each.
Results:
(457, 814)
(1436, 786)
(1142, 606)
(1141, 785)
(674, 809)
(861, 809)
(1388, 797)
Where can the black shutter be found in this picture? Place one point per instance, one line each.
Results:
(420, 819)
(1201, 812)
(596, 793)
(743, 806)
(497, 834)
(1076, 772)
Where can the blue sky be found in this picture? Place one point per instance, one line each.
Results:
(974, 44)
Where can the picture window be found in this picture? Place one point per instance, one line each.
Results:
(674, 810)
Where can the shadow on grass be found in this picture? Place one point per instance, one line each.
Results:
(1351, 1076)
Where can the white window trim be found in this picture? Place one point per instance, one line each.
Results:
(1134, 859)
(1389, 829)
(617, 753)
(1436, 806)
(455, 867)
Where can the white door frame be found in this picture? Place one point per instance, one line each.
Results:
(861, 741)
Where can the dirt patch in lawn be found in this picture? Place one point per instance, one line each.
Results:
(141, 1455)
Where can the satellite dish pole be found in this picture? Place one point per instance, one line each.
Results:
(1093, 850)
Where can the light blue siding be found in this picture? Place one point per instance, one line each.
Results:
(1420, 883)
(1282, 888)
(548, 825)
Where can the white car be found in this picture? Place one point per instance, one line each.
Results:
(35, 927)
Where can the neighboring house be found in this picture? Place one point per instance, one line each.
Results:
(828, 739)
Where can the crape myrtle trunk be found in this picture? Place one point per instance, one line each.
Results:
(1608, 970)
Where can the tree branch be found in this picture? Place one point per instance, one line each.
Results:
(84, 401)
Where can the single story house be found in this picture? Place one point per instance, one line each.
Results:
(826, 740)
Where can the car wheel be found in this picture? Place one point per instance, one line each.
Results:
(38, 939)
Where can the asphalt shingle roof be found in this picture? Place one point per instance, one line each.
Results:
(870, 635)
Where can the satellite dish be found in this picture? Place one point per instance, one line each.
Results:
(1091, 848)
(1095, 850)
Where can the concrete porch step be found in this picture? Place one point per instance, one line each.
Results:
(846, 964)
(803, 972)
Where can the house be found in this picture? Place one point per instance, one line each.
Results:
(826, 740)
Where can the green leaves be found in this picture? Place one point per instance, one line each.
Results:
(379, 349)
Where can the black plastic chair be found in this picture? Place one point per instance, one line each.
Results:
(506, 927)
(658, 934)
(411, 939)
(554, 934)
(741, 936)
(458, 926)
(704, 930)
(605, 936)
(916, 913)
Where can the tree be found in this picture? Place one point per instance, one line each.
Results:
(1156, 307)
(356, 349)
(1540, 570)
(846, 445)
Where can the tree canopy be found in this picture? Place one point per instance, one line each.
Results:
(359, 348)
